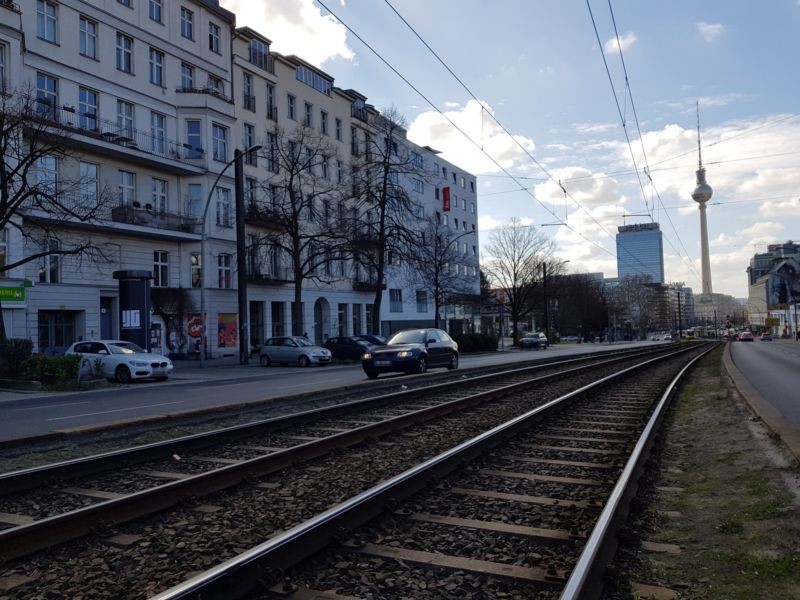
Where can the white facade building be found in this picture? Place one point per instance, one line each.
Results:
(156, 96)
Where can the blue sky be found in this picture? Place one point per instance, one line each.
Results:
(537, 67)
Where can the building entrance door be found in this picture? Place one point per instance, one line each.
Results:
(106, 318)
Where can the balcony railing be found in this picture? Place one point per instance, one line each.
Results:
(262, 215)
(364, 237)
(148, 217)
(262, 273)
(369, 285)
(10, 5)
(111, 131)
(211, 91)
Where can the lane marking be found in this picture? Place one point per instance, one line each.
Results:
(48, 406)
(105, 412)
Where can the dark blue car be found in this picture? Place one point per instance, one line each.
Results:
(411, 351)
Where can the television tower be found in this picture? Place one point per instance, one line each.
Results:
(702, 194)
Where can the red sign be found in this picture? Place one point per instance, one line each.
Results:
(446, 199)
(194, 325)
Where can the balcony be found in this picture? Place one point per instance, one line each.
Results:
(366, 286)
(261, 215)
(10, 5)
(209, 90)
(263, 273)
(148, 217)
(104, 130)
(364, 238)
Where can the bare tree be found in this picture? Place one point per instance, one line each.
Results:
(582, 306)
(384, 212)
(518, 252)
(434, 264)
(44, 209)
(300, 208)
(636, 295)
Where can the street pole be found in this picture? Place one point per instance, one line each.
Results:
(241, 262)
(544, 291)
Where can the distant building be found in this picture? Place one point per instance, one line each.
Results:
(640, 252)
(773, 279)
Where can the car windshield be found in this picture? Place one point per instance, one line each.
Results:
(416, 336)
(125, 348)
(302, 342)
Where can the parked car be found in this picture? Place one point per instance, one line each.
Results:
(533, 340)
(746, 336)
(667, 337)
(766, 337)
(375, 340)
(293, 349)
(347, 347)
(411, 351)
(122, 360)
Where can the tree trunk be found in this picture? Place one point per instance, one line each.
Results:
(297, 308)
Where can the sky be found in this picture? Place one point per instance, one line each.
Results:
(541, 107)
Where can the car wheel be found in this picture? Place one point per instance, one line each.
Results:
(303, 361)
(453, 362)
(422, 364)
(122, 374)
(264, 360)
(371, 373)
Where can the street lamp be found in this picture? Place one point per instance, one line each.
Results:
(203, 265)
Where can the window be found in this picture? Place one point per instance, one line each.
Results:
(124, 53)
(339, 130)
(395, 300)
(291, 107)
(436, 169)
(224, 271)
(158, 133)
(187, 76)
(50, 265)
(219, 135)
(196, 268)
(307, 116)
(213, 38)
(194, 197)
(46, 95)
(126, 184)
(353, 141)
(160, 268)
(472, 186)
(3, 251)
(247, 92)
(464, 225)
(46, 21)
(3, 83)
(258, 53)
(46, 174)
(444, 172)
(88, 37)
(272, 112)
(125, 118)
(418, 186)
(463, 182)
(464, 247)
(158, 189)
(194, 139)
(314, 79)
(339, 171)
(463, 203)
(224, 207)
(455, 223)
(422, 301)
(474, 251)
(156, 67)
(215, 85)
(125, 3)
(249, 140)
(187, 23)
(156, 10)
(272, 152)
(472, 207)
(87, 185)
(87, 108)
(416, 159)
(325, 167)
(323, 122)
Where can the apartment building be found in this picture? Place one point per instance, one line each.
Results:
(153, 97)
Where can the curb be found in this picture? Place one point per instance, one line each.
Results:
(774, 420)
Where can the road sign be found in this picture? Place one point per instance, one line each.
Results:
(771, 322)
(12, 294)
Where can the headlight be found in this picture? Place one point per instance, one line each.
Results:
(366, 356)
(139, 363)
(404, 354)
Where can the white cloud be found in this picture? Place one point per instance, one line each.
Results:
(295, 27)
(431, 129)
(625, 42)
(710, 31)
(452, 104)
(593, 127)
(488, 222)
(762, 230)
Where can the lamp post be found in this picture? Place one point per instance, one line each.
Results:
(442, 253)
(203, 266)
(544, 290)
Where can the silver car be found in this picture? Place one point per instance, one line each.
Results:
(121, 360)
(293, 349)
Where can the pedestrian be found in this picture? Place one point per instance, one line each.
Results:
(305, 334)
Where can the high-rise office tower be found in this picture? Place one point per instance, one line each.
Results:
(640, 251)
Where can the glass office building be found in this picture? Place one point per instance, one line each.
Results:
(640, 251)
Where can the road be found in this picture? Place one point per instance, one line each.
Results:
(773, 368)
(23, 415)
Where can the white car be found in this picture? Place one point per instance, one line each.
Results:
(121, 360)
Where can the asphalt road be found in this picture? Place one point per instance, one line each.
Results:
(773, 368)
(23, 415)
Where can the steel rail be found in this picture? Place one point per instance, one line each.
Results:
(585, 581)
(25, 479)
(237, 576)
(44, 533)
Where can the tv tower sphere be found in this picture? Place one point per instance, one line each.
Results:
(703, 192)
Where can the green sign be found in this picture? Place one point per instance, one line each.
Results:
(12, 294)
(772, 322)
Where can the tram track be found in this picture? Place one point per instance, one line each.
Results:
(330, 433)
